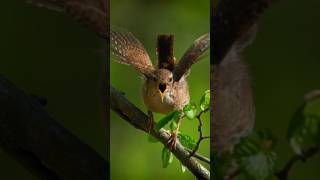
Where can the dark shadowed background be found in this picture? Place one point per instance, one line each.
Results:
(45, 53)
(132, 156)
(284, 61)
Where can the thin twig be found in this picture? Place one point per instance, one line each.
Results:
(310, 152)
(201, 137)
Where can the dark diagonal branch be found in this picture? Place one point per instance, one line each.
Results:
(40, 144)
(92, 14)
(138, 119)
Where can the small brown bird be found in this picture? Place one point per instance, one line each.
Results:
(165, 88)
(235, 110)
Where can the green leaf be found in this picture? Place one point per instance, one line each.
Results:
(183, 168)
(152, 139)
(190, 110)
(255, 155)
(259, 166)
(205, 100)
(165, 120)
(173, 126)
(167, 157)
(187, 141)
(304, 128)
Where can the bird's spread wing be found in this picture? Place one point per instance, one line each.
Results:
(191, 56)
(130, 51)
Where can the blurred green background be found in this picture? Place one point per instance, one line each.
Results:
(132, 156)
(45, 53)
(284, 62)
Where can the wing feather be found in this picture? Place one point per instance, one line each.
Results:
(129, 50)
(191, 56)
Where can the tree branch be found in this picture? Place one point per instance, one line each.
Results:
(31, 136)
(310, 152)
(90, 13)
(139, 120)
(199, 156)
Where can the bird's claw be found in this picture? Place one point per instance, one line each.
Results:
(172, 142)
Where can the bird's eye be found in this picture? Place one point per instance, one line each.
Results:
(170, 79)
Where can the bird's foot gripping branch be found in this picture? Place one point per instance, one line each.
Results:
(191, 111)
(185, 144)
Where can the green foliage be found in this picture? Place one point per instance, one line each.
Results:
(304, 128)
(255, 155)
(173, 126)
(205, 100)
(183, 168)
(187, 141)
(190, 110)
(167, 157)
(174, 116)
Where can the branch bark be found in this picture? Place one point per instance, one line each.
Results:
(139, 120)
(43, 146)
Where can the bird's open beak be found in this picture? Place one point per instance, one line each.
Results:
(161, 95)
(162, 90)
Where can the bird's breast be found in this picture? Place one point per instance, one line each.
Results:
(153, 102)
(174, 99)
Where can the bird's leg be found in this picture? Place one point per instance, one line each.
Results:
(150, 124)
(173, 138)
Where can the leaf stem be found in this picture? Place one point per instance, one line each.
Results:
(284, 173)
(201, 137)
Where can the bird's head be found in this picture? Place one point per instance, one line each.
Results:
(163, 80)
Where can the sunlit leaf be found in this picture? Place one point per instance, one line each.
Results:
(304, 128)
(259, 166)
(255, 155)
(183, 168)
(173, 126)
(165, 120)
(190, 110)
(205, 100)
(167, 157)
(187, 141)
